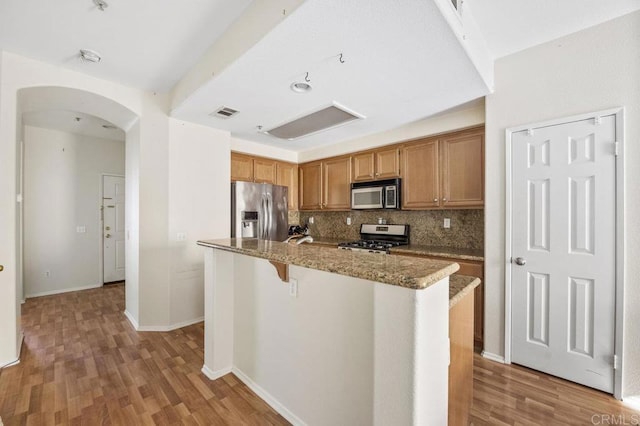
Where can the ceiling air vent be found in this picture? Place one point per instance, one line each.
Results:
(224, 112)
(324, 119)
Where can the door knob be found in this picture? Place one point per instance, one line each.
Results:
(108, 236)
(521, 261)
(1, 268)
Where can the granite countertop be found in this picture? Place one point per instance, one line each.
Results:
(415, 249)
(460, 286)
(449, 252)
(410, 272)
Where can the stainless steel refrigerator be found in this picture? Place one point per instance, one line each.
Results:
(259, 210)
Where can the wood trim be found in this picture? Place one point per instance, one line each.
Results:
(282, 269)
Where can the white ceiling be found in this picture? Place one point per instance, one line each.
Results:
(144, 44)
(402, 60)
(510, 26)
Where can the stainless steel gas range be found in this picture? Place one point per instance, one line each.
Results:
(378, 238)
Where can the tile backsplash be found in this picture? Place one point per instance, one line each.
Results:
(467, 226)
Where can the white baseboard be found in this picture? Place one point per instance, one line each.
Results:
(266, 396)
(15, 361)
(214, 375)
(131, 319)
(62, 290)
(493, 357)
(169, 327)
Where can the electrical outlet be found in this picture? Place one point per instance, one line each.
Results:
(348, 221)
(293, 287)
(81, 229)
(447, 222)
(47, 274)
(311, 220)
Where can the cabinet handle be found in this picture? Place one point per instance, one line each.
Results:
(444, 200)
(435, 200)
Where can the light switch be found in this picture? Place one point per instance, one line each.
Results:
(447, 222)
(81, 229)
(348, 221)
(181, 236)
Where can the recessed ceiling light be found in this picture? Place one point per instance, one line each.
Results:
(300, 87)
(90, 55)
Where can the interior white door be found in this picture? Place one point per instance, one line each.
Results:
(113, 232)
(563, 246)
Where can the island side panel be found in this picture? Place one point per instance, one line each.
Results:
(218, 313)
(411, 354)
(309, 356)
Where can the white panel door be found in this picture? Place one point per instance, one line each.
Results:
(563, 230)
(113, 228)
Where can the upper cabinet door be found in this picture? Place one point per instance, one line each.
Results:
(310, 185)
(387, 163)
(336, 176)
(264, 170)
(420, 175)
(241, 167)
(363, 166)
(462, 160)
(287, 175)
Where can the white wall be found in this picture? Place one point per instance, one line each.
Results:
(62, 190)
(17, 72)
(595, 69)
(147, 178)
(466, 117)
(199, 190)
(243, 145)
(132, 223)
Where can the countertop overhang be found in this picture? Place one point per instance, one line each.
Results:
(409, 272)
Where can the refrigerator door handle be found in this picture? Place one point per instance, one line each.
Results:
(270, 214)
(263, 219)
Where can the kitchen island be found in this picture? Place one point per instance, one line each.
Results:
(351, 338)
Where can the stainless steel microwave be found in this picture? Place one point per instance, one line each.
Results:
(378, 194)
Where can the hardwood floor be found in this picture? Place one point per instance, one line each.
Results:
(83, 363)
(515, 395)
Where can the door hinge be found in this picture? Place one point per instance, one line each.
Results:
(616, 148)
(616, 362)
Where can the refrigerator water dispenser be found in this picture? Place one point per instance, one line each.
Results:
(249, 224)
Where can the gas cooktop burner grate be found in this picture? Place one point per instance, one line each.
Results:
(378, 238)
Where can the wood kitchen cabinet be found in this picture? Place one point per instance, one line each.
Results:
(336, 182)
(241, 167)
(420, 175)
(461, 163)
(378, 164)
(287, 175)
(264, 170)
(326, 184)
(310, 183)
(444, 172)
(461, 361)
(250, 168)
